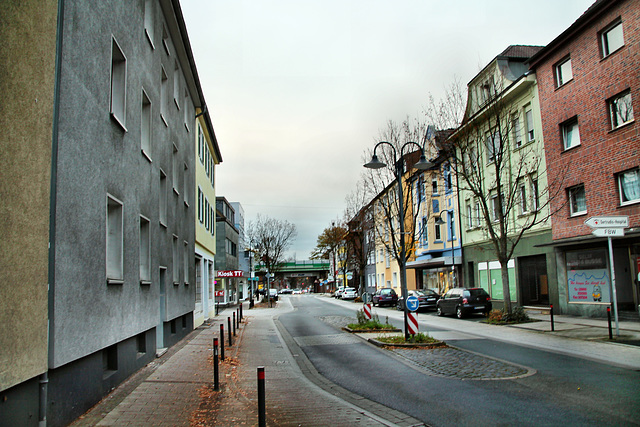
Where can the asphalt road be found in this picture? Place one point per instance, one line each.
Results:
(563, 391)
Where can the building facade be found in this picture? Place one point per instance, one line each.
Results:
(502, 183)
(244, 256)
(227, 273)
(589, 89)
(208, 157)
(120, 204)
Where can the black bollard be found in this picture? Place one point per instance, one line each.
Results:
(551, 314)
(234, 323)
(229, 326)
(262, 413)
(609, 321)
(221, 341)
(241, 312)
(216, 381)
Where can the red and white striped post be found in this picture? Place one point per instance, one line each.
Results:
(412, 323)
(367, 311)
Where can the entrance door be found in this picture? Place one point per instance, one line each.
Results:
(163, 308)
(534, 285)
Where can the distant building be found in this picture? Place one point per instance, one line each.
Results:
(98, 166)
(228, 274)
(243, 254)
(589, 89)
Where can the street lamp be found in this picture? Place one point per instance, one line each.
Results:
(422, 164)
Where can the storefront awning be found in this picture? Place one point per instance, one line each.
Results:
(435, 262)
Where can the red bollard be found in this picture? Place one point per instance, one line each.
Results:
(262, 412)
(609, 321)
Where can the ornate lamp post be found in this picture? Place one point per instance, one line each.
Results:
(398, 170)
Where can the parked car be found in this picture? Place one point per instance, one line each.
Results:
(338, 292)
(297, 292)
(349, 293)
(285, 291)
(426, 298)
(385, 296)
(273, 293)
(463, 301)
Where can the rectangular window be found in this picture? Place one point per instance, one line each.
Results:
(176, 85)
(522, 197)
(612, 39)
(114, 241)
(528, 116)
(535, 198)
(494, 208)
(185, 184)
(436, 229)
(201, 144)
(621, 110)
(145, 127)
(185, 260)
(109, 361)
(425, 232)
(478, 214)
(494, 145)
(148, 21)
(629, 186)
(448, 182)
(570, 134)
(517, 134)
(577, 200)
(164, 94)
(452, 226)
(434, 185)
(175, 169)
(469, 215)
(200, 206)
(176, 265)
(145, 251)
(162, 198)
(564, 73)
(118, 83)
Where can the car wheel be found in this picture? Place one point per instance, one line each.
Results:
(459, 313)
(439, 311)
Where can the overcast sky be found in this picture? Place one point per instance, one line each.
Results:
(299, 89)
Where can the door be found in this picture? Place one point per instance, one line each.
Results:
(534, 285)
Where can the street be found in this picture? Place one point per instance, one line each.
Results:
(520, 385)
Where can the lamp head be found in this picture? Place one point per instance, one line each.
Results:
(423, 163)
(375, 163)
(439, 221)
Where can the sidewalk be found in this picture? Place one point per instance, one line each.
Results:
(177, 388)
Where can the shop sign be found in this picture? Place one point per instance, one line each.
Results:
(229, 273)
(588, 277)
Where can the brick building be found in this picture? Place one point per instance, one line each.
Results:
(589, 86)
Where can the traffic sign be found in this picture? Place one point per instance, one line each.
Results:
(619, 221)
(413, 303)
(608, 232)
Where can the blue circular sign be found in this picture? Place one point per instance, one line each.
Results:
(413, 303)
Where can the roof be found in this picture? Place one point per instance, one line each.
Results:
(520, 51)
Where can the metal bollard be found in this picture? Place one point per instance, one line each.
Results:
(551, 314)
(234, 323)
(229, 326)
(609, 321)
(216, 381)
(221, 341)
(241, 312)
(262, 412)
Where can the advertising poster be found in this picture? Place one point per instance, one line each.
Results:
(588, 277)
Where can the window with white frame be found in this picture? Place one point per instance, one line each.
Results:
(535, 197)
(145, 127)
(395, 279)
(436, 232)
(620, 110)
(629, 186)
(434, 184)
(528, 121)
(577, 200)
(148, 21)
(118, 83)
(469, 215)
(517, 132)
(448, 181)
(387, 258)
(612, 39)
(522, 196)
(162, 198)
(425, 232)
(570, 134)
(563, 72)
(493, 144)
(495, 208)
(200, 205)
(145, 251)
(478, 214)
(114, 240)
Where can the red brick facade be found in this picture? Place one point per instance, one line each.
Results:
(603, 152)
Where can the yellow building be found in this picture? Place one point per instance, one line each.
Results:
(205, 249)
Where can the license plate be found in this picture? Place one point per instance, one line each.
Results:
(479, 308)
(431, 299)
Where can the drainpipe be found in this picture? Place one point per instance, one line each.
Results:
(44, 378)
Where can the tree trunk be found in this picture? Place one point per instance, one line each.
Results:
(506, 292)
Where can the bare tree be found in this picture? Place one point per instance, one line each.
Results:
(332, 243)
(270, 238)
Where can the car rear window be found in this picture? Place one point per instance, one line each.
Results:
(477, 292)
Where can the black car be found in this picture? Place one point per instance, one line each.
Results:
(426, 298)
(385, 296)
(463, 301)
